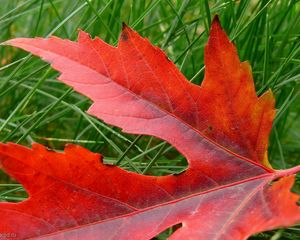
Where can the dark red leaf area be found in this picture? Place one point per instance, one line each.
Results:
(74, 189)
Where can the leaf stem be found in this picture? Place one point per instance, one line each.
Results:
(286, 172)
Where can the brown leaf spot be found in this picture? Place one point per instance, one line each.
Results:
(124, 36)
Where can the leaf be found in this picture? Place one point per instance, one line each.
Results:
(221, 127)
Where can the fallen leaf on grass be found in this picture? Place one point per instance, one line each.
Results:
(222, 128)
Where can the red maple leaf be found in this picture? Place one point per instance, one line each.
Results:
(222, 128)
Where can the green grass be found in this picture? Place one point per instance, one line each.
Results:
(35, 107)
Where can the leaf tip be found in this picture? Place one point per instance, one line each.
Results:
(79, 30)
(16, 42)
(270, 94)
(269, 98)
(216, 20)
(124, 26)
(82, 35)
(216, 24)
(6, 43)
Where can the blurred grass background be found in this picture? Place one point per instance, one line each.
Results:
(35, 107)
